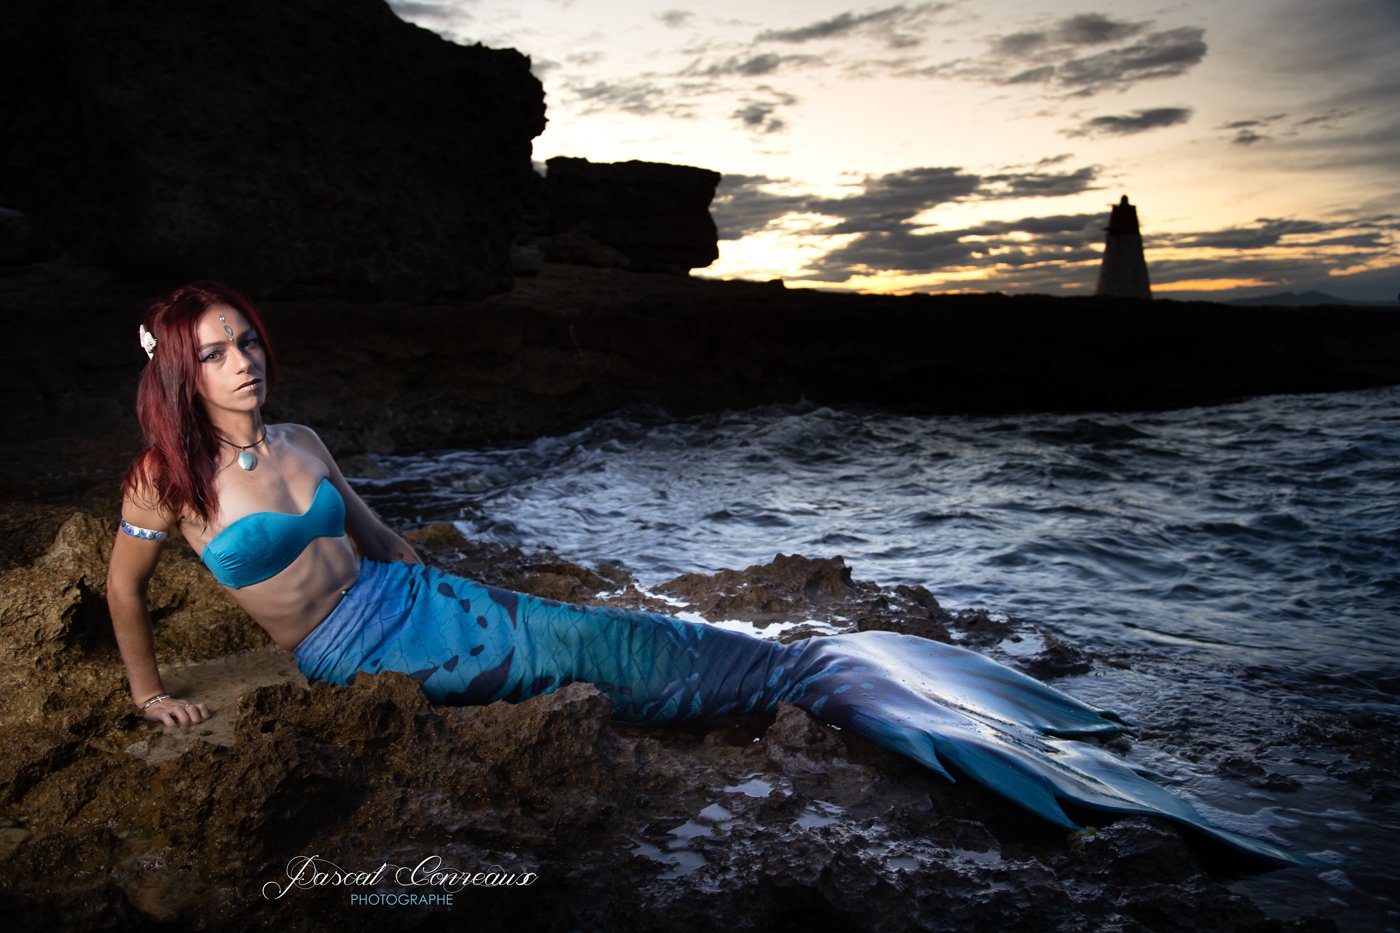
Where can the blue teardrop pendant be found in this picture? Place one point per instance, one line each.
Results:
(247, 460)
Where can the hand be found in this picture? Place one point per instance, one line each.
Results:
(173, 713)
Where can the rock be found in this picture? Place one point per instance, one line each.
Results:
(798, 741)
(764, 593)
(270, 145)
(1135, 851)
(1056, 659)
(645, 216)
(576, 343)
(580, 246)
(753, 824)
(977, 629)
(912, 610)
(54, 617)
(17, 242)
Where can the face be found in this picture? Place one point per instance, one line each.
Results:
(231, 367)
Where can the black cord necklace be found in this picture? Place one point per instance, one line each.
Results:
(247, 460)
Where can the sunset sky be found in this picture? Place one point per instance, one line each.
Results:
(977, 144)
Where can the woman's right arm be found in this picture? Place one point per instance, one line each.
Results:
(128, 578)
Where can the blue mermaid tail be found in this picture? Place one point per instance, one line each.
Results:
(468, 643)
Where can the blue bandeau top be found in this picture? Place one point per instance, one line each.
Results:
(262, 545)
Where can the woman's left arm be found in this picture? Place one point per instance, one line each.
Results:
(371, 536)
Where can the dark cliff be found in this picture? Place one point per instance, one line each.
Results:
(269, 144)
(573, 343)
(643, 216)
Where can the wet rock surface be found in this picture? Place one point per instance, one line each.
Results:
(776, 822)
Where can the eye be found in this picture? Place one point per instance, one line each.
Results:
(250, 341)
(211, 356)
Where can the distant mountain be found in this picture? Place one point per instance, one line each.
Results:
(1294, 299)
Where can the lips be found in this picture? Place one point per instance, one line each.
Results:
(251, 383)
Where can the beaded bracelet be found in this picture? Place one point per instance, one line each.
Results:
(155, 699)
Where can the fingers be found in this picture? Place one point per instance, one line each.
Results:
(177, 714)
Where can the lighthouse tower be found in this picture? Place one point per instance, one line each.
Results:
(1124, 270)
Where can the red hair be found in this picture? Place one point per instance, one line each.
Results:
(182, 445)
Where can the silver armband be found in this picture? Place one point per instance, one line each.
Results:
(145, 534)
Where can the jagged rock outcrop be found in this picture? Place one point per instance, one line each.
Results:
(268, 144)
(644, 216)
(17, 242)
(748, 824)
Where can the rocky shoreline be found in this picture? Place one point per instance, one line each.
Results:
(571, 343)
(770, 823)
(766, 823)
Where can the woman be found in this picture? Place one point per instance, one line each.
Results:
(268, 511)
(211, 461)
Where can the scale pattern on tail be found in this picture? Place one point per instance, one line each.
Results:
(941, 705)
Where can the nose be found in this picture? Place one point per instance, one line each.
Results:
(241, 358)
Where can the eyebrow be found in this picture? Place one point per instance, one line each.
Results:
(206, 346)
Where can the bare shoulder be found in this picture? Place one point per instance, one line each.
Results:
(141, 503)
(306, 440)
(301, 436)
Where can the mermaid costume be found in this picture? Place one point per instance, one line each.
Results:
(943, 706)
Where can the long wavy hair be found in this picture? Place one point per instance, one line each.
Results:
(182, 445)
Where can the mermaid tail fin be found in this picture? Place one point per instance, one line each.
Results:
(945, 706)
(940, 705)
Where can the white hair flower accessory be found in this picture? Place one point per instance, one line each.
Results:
(148, 342)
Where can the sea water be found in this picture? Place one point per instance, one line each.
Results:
(1238, 564)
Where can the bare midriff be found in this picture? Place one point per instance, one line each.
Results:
(292, 603)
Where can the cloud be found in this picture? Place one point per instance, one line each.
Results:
(1068, 57)
(1258, 121)
(1038, 75)
(637, 97)
(1139, 121)
(1083, 29)
(1328, 118)
(1040, 184)
(752, 65)
(1249, 131)
(1061, 239)
(675, 19)
(744, 205)
(882, 216)
(1094, 29)
(1059, 253)
(888, 24)
(758, 116)
(875, 232)
(885, 203)
(759, 111)
(1022, 43)
(891, 251)
(1158, 55)
(1369, 233)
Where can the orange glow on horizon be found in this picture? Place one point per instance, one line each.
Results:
(1210, 285)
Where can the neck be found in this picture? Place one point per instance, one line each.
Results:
(237, 427)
